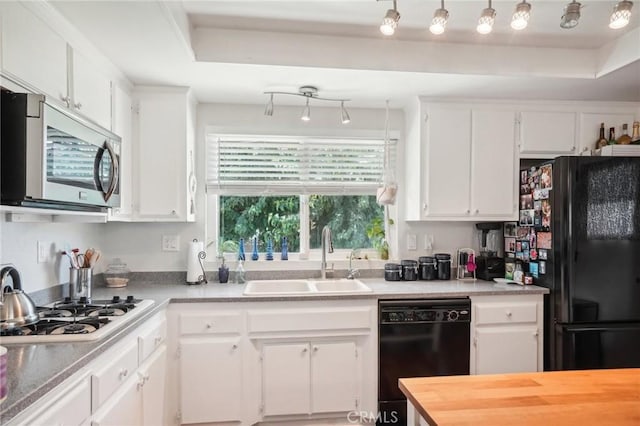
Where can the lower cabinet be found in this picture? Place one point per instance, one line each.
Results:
(74, 408)
(506, 334)
(152, 376)
(125, 408)
(333, 377)
(211, 367)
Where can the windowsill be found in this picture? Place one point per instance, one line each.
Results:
(300, 265)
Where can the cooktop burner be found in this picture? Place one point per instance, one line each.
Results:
(70, 320)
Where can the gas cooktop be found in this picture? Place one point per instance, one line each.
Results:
(77, 320)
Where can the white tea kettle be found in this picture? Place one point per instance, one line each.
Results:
(16, 307)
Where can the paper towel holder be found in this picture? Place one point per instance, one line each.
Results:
(201, 278)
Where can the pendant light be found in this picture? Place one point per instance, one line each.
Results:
(390, 21)
(306, 112)
(439, 21)
(487, 18)
(520, 17)
(386, 193)
(620, 15)
(344, 115)
(571, 15)
(268, 110)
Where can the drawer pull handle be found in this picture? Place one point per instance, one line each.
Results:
(123, 373)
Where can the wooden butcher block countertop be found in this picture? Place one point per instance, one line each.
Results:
(581, 397)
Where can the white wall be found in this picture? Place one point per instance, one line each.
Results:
(139, 244)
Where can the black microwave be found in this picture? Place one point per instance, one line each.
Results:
(55, 159)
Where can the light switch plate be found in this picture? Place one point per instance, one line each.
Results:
(43, 252)
(428, 242)
(170, 243)
(412, 242)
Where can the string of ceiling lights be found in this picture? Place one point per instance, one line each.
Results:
(519, 20)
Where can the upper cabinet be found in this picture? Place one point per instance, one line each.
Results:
(41, 60)
(163, 173)
(466, 169)
(548, 133)
(122, 126)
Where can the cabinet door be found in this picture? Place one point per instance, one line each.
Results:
(73, 407)
(122, 117)
(212, 368)
(161, 157)
(153, 374)
(333, 377)
(448, 162)
(590, 127)
(552, 132)
(91, 94)
(494, 169)
(32, 51)
(508, 349)
(285, 379)
(124, 408)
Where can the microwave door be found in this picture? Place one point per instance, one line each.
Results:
(106, 170)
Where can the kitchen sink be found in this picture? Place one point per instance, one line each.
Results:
(311, 286)
(342, 285)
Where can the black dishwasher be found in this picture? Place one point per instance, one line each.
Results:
(418, 338)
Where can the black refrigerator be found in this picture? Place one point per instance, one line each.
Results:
(580, 223)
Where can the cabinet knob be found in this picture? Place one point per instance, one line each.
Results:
(477, 211)
(535, 333)
(77, 105)
(157, 340)
(509, 314)
(66, 100)
(315, 349)
(173, 212)
(123, 373)
(424, 206)
(209, 325)
(468, 211)
(234, 347)
(304, 350)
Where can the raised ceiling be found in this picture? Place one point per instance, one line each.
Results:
(232, 51)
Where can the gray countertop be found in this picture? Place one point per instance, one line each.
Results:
(35, 369)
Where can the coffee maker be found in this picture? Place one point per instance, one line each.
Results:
(490, 262)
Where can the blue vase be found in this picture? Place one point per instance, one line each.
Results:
(241, 255)
(254, 254)
(269, 249)
(284, 255)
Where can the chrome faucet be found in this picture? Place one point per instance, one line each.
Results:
(327, 246)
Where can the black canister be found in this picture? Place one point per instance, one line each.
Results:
(409, 270)
(392, 272)
(444, 266)
(427, 268)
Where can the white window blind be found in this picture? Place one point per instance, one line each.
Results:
(294, 165)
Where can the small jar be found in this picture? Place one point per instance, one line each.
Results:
(117, 274)
(444, 266)
(409, 270)
(427, 268)
(392, 272)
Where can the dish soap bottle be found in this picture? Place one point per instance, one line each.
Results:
(240, 279)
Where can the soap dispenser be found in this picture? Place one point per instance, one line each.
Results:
(240, 279)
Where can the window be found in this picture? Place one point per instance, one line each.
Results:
(275, 187)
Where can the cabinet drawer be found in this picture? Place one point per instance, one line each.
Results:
(106, 380)
(71, 409)
(505, 313)
(152, 336)
(210, 323)
(310, 319)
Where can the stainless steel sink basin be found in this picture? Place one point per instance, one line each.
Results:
(299, 287)
(276, 287)
(342, 285)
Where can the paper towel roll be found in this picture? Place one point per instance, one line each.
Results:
(194, 271)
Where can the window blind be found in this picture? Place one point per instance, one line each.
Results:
(294, 165)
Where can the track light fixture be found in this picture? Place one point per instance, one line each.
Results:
(487, 18)
(390, 21)
(620, 15)
(308, 92)
(520, 17)
(439, 21)
(571, 15)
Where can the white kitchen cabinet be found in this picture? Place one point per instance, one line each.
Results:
(286, 379)
(506, 334)
(90, 90)
(548, 134)
(152, 375)
(125, 408)
(333, 376)
(211, 367)
(122, 126)
(469, 167)
(32, 51)
(163, 174)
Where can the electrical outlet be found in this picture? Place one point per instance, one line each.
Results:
(43, 252)
(428, 242)
(170, 243)
(412, 242)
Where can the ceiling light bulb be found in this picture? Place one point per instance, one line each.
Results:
(344, 114)
(520, 17)
(485, 23)
(439, 21)
(306, 112)
(621, 15)
(269, 108)
(390, 21)
(571, 15)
